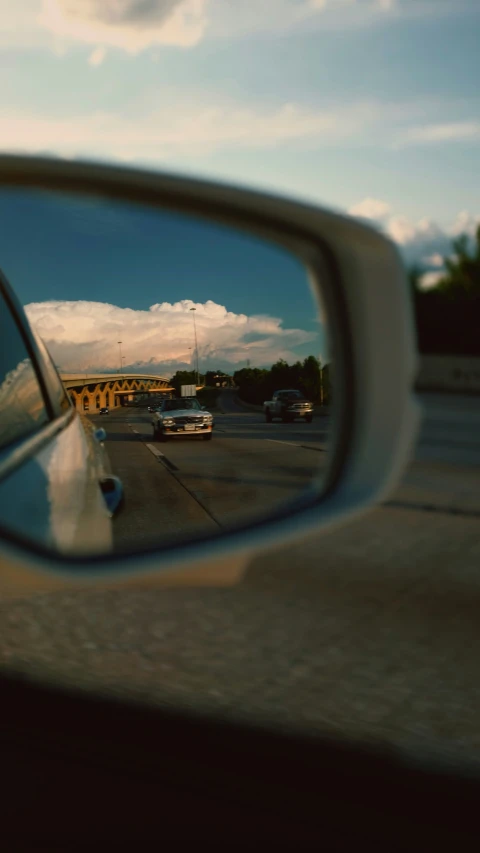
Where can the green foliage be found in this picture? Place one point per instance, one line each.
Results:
(448, 315)
(183, 377)
(252, 383)
(257, 385)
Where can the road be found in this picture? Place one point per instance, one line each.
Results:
(188, 485)
(369, 631)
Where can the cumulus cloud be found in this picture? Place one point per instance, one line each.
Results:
(426, 240)
(430, 279)
(84, 336)
(424, 235)
(423, 242)
(130, 25)
(370, 208)
(136, 25)
(465, 223)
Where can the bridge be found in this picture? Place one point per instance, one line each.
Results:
(93, 391)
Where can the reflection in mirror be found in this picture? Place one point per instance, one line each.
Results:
(22, 407)
(201, 350)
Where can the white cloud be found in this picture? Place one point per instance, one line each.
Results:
(84, 336)
(430, 279)
(422, 233)
(370, 208)
(385, 5)
(97, 56)
(183, 126)
(428, 243)
(136, 25)
(130, 25)
(424, 241)
(461, 131)
(465, 223)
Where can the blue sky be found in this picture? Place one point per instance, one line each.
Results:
(367, 106)
(95, 273)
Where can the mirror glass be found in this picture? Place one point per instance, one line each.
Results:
(202, 350)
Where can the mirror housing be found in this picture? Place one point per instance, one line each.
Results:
(376, 418)
(113, 494)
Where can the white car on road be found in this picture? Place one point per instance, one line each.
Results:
(181, 416)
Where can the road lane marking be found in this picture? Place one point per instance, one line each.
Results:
(161, 457)
(420, 507)
(196, 495)
(279, 441)
(294, 444)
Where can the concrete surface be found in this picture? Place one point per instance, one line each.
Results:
(370, 631)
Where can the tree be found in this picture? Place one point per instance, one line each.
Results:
(253, 384)
(462, 277)
(310, 380)
(256, 386)
(448, 315)
(183, 377)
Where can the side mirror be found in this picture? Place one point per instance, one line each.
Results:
(287, 482)
(112, 491)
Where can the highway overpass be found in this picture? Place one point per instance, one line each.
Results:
(93, 391)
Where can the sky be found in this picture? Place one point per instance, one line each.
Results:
(370, 107)
(134, 274)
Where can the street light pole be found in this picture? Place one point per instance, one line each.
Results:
(196, 344)
(120, 345)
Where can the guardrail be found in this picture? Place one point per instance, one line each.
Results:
(449, 373)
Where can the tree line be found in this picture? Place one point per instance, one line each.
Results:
(255, 385)
(212, 379)
(448, 314)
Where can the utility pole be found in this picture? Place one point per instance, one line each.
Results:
(120, 345)
(196, 344)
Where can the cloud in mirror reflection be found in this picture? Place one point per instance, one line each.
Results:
(84, 336)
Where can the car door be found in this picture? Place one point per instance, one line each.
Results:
(50, 467)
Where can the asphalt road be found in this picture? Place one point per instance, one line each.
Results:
(188, 485)
(369, 631)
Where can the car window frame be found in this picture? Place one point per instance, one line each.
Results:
(52, 376)
(28, 445)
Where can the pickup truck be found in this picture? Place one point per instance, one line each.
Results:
(288, 405)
